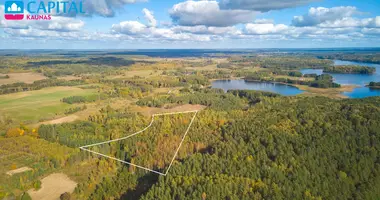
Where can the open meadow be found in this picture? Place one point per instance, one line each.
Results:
(21, 77)
(39, 104)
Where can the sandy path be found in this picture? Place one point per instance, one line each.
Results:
(52, 187)
(66, 119)
(19, 170)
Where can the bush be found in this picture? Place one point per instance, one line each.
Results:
(65, 196)
(80, 99)
(295, 74)
(37, 185)
(26, 196)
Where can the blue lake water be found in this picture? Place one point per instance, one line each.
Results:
(360, 80)
(286, 90)
(353, 79)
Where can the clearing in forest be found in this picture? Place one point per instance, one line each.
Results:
(52, 187)
(21, 77)
(154, 148)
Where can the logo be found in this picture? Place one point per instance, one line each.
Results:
(40, 10)
(14, 10)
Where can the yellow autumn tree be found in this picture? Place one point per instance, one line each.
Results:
(204, 196)
(14, 132)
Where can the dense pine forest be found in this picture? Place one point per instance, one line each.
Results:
(241, 144)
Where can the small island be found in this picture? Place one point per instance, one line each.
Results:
(350, 69)
(312, 80)
(374, 85)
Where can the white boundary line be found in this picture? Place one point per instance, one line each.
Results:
(175, 155)
(183, 138)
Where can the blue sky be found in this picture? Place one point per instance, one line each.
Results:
(140, 24)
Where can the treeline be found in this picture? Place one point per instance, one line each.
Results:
(138, 87)
(110, 61)
(350, 69)
(169, 81)
(374, 84)
(321, 81)
(78, 66)
(37, 85)
(253, 96)
(75, 109)
(282, 62)
(74, 134)
(224, 65)
(214, 98)
(286, 73)
(96, 129)
(362, 57)
(217, 74)
(82, 99)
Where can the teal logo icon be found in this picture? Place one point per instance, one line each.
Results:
(14, 10)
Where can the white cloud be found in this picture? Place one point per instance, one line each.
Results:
(261, 29)
(208, 13)
(352, 22)
(230, 30)
(166, 23)
(105, 8)
(150, 17)
(36, 34)
(129, 28)
(262, 5)
(336, 17)
(320, 15)
(371, 31)
(263, 21)
(137, 30)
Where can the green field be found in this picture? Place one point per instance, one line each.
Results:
(40, 104)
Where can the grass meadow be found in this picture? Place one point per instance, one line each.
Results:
(40, 104)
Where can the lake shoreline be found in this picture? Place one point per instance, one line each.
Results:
(337, 93)
(373, 87)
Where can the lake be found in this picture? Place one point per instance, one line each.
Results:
(286, 90)
(345, 79)
(353, 79)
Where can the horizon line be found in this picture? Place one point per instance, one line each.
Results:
(197, 48)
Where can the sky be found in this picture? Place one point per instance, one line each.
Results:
(173, 24)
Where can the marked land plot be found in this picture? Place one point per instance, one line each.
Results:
(154, 148)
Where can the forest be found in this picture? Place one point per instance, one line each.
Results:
(36, 85)
(374, 84)
(320, 81)
(356, 57)
(242, 144)
(352, 69)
